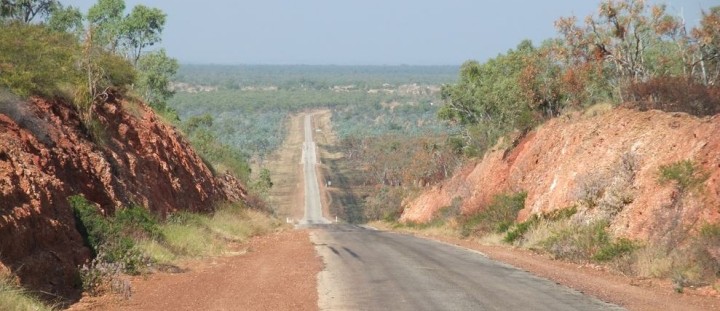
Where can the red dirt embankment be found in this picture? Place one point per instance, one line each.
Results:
(46, 155)
(613, 158)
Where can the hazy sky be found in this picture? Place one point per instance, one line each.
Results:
(362, 32)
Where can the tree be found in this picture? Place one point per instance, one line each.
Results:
(707, 35)
(488, 99)
(65, 19)
(26, 10)
(153, 83)
(142, 28)
(105, 20)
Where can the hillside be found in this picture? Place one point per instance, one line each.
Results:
(612, 159)
(47, 155)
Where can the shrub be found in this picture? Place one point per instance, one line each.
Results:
(137, 220)
(386, 204)
(615, 249)
(520, 229)
(578, 242)
(100, 275)
(707, 249)
(498, 216)
(104, 237)
(35, 60)
(674, 94)
(686, 175)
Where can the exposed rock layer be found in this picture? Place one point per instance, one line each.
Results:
(47, 154)
(618, 153)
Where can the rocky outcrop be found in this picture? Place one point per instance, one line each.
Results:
(127, 156)
(611, 159)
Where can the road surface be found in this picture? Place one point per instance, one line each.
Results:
(313, 207)
(374, 270)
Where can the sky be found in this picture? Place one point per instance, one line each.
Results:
(362, 32)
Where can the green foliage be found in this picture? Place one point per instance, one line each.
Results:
(574, 241)
(488, 99)
(117, 71)
(498, 216)
(142, 28)
(94, 228)
(314, 77)
(517, 231)
(26, 10)
(580, 241)
(263, 183)
(108, 238)
(65, 19)
(560, 214)
(385, 204)
(218, 156)
(615, 249)
(251, 115)
(15, 298)
(138, 219)
(105, 19)
(685, 174)
(154, 72)
(705, 249)
(35, 60)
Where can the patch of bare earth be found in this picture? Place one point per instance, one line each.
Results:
(631, 293)
(287, 194)
(272, 272)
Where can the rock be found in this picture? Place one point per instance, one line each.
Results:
(619, 151)
(142, 161)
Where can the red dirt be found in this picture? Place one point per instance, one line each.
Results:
(277, 273)
(553, 163)
(47, 155)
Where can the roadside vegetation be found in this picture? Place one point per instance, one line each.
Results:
(57, 52)
(15, 298)
(630, 54)
(582, 232)
(133, 241)
(383, 117)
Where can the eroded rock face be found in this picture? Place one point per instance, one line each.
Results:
(47, 155)
(619, 152)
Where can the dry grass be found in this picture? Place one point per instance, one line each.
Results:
(199, 235)
(597, 109)
(235, 224)
(14, 298)
(156, 251)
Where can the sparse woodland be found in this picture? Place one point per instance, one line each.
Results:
(400, 129)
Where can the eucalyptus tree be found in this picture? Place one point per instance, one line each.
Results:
(140, 29)
(154, 73)
(105, 20)
(26, 10)
(66, 19)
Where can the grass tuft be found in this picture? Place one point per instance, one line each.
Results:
(14, 298)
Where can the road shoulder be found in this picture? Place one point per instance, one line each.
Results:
(631, 293)
(276, 272)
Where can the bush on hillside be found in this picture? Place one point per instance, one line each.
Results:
(674, 94)
(37, 61)
(498, 216)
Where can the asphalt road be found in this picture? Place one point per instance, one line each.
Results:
(374, 270)
(313, 207)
